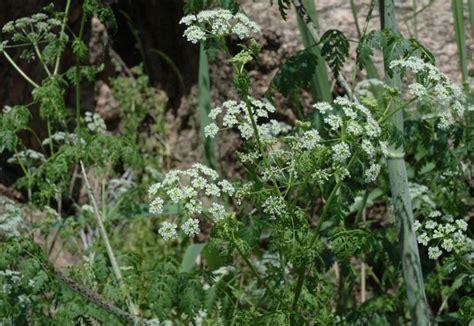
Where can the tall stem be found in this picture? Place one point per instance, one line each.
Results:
(78, 75)
(105, 237)
(412, 272)
(458, 13)
(61, 35)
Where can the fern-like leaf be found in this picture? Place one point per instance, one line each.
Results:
(335, 49)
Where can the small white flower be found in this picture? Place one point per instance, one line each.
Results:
(419, 90)
(334, 121)
(214, 113)
(368, 148)
(354, 128)
(435, 214)
(156, 206)
(372, 173)
(309, 139)
(341, 152)
(176, 195)
(322, 107)
(199, 183)
(447, 245)
(275, 207)
(217, 212)
(95, 123)
(191, 227)
(211, 130)
(462, 225)
(193, 207)
(227, 187)
(194, 34)
(153, 190)
(200, 317)
(168, 231)
(416, 225)
(446, 120)
(431, 225)
(423, 239)
(434, 253)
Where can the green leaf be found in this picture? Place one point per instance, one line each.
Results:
(213, 258)
(190, 256)
(296, 72)
(335, 49)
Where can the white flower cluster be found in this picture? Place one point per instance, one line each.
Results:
(366, 87)
(308, 140)
(11, 221)
(95, 123)
(194, 189)
(217, 23)
(420, 196)
(355, 120)
(34, 29)
(63, 137)
(275, 207)
(434, 87)
(27, 156)
(236, 115)
(10, 279)
(441, 233)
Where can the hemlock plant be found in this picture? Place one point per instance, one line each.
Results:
(281, 244)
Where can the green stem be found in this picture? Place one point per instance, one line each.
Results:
(18, 69)
(410, 257)
(105, 238)
(254, 271)
(458, 13)
(78, 75)
(51, 148)
(26, 171)
(61, 35)
(332, 196)
(470, 6)
(40, 58)
(356, 21)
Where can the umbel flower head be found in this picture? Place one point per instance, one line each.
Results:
(441, 234)
(237, 115)
(196, 191)
(435, 88)
(217, 23)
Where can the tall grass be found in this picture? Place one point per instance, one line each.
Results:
(204, 87)
(412, 272)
